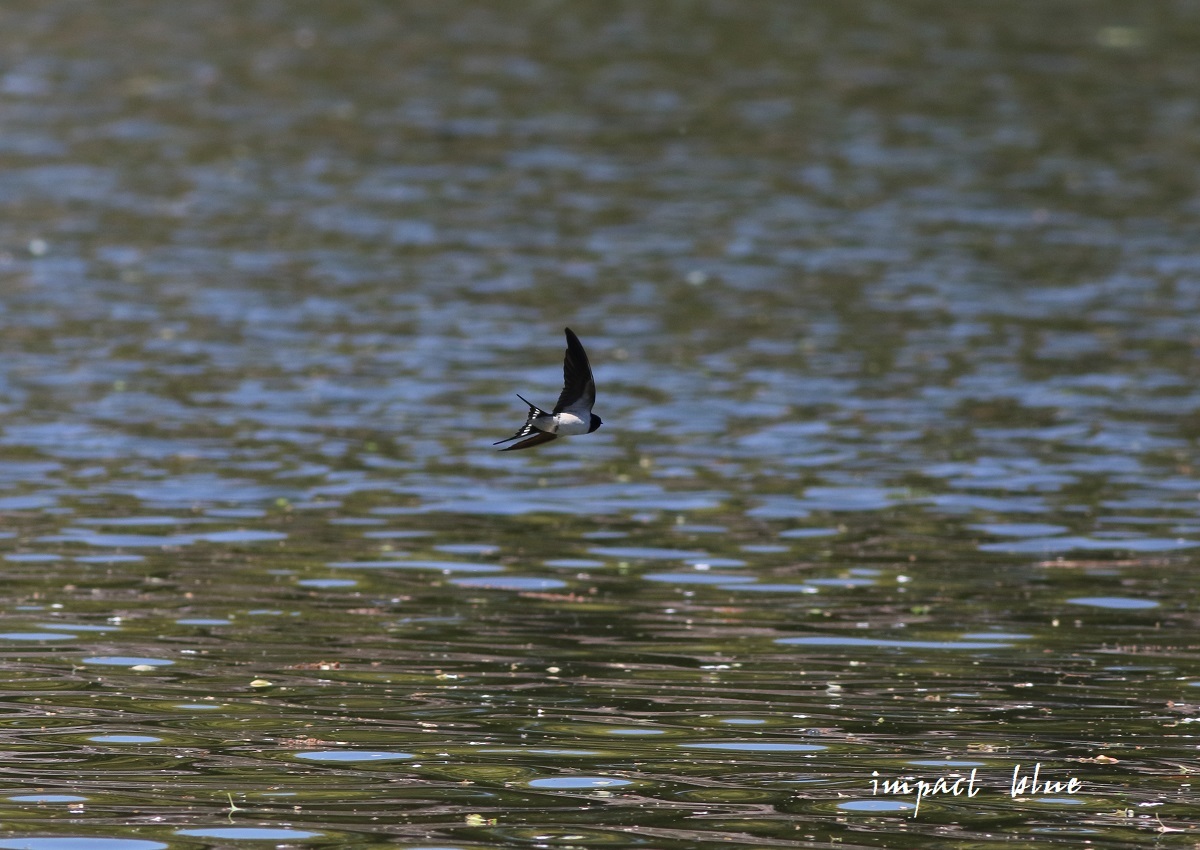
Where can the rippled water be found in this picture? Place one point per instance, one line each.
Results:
(892, 309)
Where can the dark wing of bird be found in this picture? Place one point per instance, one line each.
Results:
(537, 439)
(579, 390)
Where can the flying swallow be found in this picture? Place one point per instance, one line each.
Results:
(573, 413)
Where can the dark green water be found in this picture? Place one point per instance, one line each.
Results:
(893, 314)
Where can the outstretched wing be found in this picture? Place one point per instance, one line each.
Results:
(536, 440)
(579, 390)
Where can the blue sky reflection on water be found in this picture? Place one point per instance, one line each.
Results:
(891, 312)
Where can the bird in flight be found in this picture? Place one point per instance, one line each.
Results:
(573, 413)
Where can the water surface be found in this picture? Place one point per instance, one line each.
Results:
(892, 315)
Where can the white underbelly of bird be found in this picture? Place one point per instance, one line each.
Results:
(563, 424)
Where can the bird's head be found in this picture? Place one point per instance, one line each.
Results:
(596, 423)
